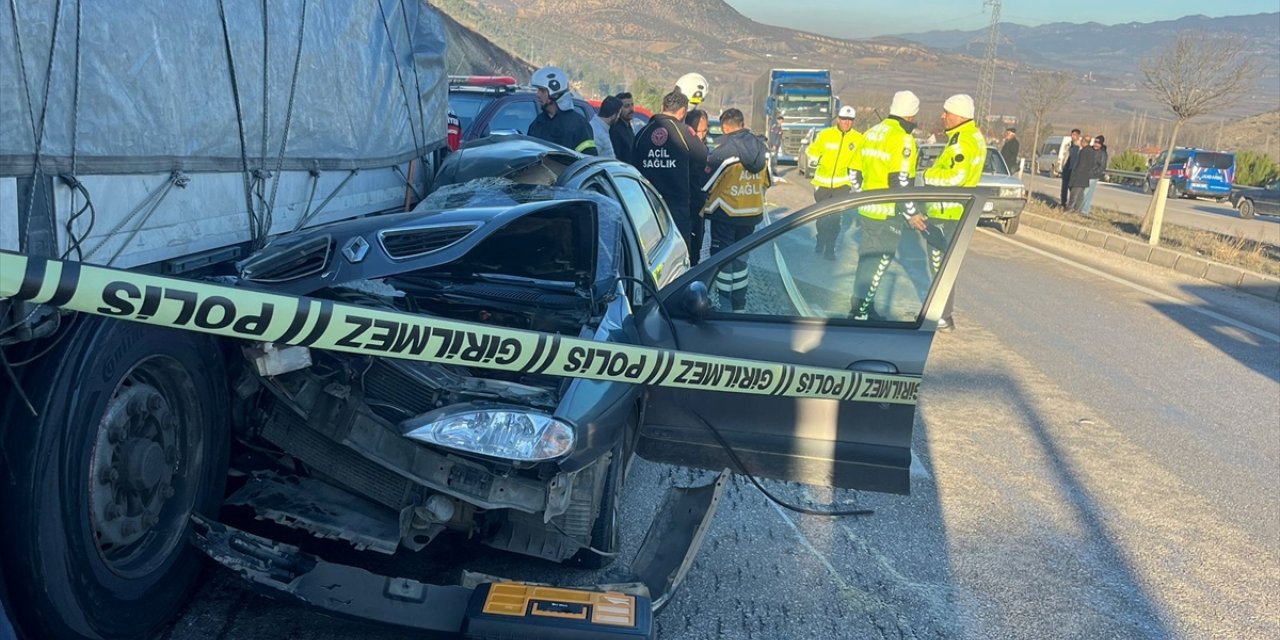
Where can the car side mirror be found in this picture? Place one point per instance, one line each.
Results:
(696, 301)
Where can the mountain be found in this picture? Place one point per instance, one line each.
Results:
(622, 42)
(1113, 51)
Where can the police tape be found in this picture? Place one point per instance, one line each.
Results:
(324, 324)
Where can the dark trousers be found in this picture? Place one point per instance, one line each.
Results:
(1075, 197)
(942, 232)
(1066, 177)
(731, 281)
(828, 227)
(879, 244)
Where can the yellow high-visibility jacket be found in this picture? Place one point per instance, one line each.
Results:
(959, 165)
(889, 154)
(837, 154)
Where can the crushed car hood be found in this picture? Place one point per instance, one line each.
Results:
(483, 226)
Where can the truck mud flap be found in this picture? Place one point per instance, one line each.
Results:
(675, 536)
(283, 570)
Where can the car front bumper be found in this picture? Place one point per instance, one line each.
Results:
(1001, 208)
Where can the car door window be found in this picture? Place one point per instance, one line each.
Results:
(515, 115)
(642, 213)
(881, 268)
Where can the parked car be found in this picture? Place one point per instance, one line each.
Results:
(1052, 153)
(497, 104)
(806, 165)
(1257, 200)
(1195, 173)
(1006, 195)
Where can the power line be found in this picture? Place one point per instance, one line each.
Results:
(986, 84)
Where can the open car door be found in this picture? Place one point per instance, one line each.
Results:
(771, 297)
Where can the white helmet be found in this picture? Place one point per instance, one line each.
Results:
(694, 86)
(553, 79)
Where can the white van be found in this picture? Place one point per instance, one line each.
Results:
(1052, 153)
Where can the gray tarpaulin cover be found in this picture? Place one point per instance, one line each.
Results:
(139, 87)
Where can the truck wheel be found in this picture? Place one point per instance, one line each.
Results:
(132, 437)
(1010, 225)
(1246, 209)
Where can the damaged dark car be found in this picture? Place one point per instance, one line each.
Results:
(391, 455)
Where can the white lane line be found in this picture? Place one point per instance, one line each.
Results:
(1261, 333)
(804, 540)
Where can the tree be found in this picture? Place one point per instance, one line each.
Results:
(1044, 92)
(1255, 169)
(1199, 74)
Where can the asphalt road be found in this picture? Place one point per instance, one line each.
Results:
(1097, 451)
(1196, 213)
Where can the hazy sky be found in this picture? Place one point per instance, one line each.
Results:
(867, 18)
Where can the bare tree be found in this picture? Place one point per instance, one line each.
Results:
(1044, 92)
(1199, 74)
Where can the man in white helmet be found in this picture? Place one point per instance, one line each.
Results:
(559, 122)
(695, 87)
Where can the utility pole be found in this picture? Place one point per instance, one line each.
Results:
(986, 84)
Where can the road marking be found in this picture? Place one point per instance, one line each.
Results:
(1261, 333)
(804, 540)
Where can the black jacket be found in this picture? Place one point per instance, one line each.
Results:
(667, 153)
(1100, 167)
(623, 138)
(1010, 154)
(568, 129)
(1073, 157)
(1086, 165)
(745, 146)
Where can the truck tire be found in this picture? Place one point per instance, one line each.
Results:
(1246, 208)
(132, 437)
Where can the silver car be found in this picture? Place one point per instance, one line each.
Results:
(1006, 195)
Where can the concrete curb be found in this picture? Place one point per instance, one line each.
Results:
(1250, 282)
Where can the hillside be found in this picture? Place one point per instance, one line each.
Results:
(1109, 55)
(616, 43)
(469, 53)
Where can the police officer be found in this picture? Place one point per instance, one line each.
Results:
(735, 198)
(559, 122)
(666, 153)
(837, 150)
(888, 158)
(959, 165)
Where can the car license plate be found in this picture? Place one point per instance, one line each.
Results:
(1197, 185)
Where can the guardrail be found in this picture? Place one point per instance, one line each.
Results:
(1126, 177)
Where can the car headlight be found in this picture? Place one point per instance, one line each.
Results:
(510, 433)
(1010, 192)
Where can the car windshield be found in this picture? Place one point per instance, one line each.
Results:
(467, 106)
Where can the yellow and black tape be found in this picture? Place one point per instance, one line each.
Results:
(323, 324)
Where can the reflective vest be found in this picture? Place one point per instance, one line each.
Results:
(837, 154)
(737, 192)
(889, 155)
(959, 165)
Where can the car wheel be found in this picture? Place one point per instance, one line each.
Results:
(1246, 209)
(131, 438)
(1147, 187)
(604, 533)
(1010, 225)
(1174, 193)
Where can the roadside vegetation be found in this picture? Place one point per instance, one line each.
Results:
(1230, 250)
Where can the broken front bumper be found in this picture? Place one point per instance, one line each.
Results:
(285, 570)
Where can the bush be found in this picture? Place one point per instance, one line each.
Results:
(1128, 161)
(1254, 169)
